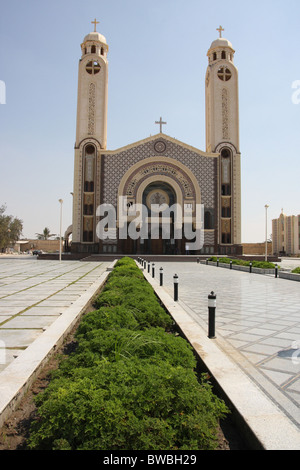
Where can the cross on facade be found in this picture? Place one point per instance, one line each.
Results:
(220, 29)
(95, 22)
(160, 122)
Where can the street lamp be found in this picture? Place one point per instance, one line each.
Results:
(60, 250)
(266, 251)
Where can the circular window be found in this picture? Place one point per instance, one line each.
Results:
(160, 147)
(93, 67)
(224, 74)
(157, 196)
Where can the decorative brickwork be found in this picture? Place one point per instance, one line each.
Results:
(116, 164)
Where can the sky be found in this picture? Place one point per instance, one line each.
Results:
(157, 65)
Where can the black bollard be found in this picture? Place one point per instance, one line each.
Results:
(148, 266)
(212, 303)
(276, 270)
(161, 275)
(153, 269)
(250, 267)
(230, 264)
(175, 279)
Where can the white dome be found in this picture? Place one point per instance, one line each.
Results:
(221, 42)
(94, 36)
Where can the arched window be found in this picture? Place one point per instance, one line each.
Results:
(89, 186)
(223, 55)
(93, 50)
(214, 56)
(89, 149)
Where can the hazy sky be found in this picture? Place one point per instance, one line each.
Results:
(157, 65)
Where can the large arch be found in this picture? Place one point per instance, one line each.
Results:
(165, 168)
(158, 171)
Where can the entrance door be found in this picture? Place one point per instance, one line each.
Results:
(157, 246)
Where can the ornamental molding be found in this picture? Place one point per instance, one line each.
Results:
(159, 169)
(91, 111)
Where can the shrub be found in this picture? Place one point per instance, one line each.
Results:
(240, 262)
(107, 318)
(296, 270)
(128, 405)
(130, 384)
(151, 344)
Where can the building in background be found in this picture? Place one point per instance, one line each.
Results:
(286, 235)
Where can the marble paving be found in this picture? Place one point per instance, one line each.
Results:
(33, 294)
(257, 324)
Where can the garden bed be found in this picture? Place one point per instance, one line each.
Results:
(257, 267)
(129, 383)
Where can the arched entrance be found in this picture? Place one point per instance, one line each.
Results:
(165, 183)
(160, 230)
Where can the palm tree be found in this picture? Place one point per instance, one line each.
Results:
(45, 235)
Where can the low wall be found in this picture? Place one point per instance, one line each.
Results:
(290, 276)
(240, 268)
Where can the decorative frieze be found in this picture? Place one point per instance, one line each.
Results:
(91, 113)
(225, 128)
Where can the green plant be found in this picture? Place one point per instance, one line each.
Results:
(239, 262)
(130, 384)
(150, 344)
(296, 270)
(128, 405)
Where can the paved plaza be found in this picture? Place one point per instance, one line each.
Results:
(33, 294)
(257, 324)
(257, 318)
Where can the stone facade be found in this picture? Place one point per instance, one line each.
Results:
(158, 168)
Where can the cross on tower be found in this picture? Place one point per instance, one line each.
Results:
(160, 122)
(95, 22)
(220, 29)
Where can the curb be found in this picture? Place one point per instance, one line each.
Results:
(18, 376)
(259, 420)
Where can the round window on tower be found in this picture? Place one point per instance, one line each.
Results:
(93, 67)
(224, 74)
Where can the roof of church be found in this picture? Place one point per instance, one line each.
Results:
(162, 136)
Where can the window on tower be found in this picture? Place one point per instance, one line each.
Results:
(225, 190)
(224, 74)
(223, 55)
(89, 186)
(93, 67)
(93, 50)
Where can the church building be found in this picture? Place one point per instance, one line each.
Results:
(157, 170)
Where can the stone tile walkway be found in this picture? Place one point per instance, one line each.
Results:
(257, 324)
(33, 294)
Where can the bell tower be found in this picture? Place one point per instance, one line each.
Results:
(91, 138)
(222, 137)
